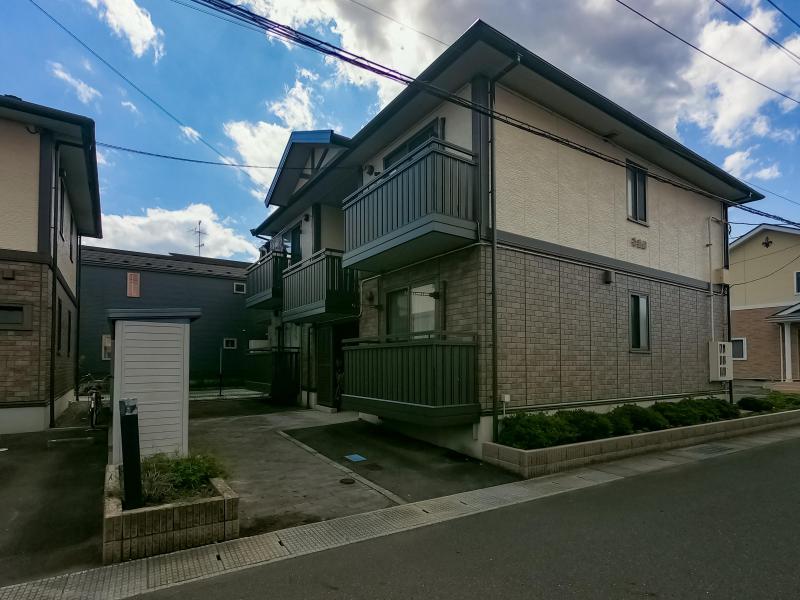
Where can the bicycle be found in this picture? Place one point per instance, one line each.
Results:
(91, 387)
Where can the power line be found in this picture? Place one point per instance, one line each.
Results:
(393, 20)
(711, 56)
(768, 274)
(776, 194)
(774, 42)
(158, 105)
(784, 13)
(302, 39)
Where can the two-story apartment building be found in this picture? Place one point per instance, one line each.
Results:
(50, 199)
(220, 340)
(765, 304)
(454, 267)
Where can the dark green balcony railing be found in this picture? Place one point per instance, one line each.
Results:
(420, 207)
(319, 289)
(428, 380)
(265, 281)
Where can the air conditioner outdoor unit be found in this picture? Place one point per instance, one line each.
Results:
(720, 361)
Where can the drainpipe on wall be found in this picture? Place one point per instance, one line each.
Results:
(493, 209)
(54, 179)
(76, 375)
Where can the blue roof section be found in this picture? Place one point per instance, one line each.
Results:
(297, 140)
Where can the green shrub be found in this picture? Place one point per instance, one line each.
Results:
(783, 401)
(528, 431)
(584, 425)
(693, 411)
(632, 418)
(755, 404)
(166, 478)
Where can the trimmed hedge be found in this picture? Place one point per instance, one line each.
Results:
(538, 430)
(755, 404)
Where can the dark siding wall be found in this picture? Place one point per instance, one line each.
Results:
(66, 357)
(224, 315)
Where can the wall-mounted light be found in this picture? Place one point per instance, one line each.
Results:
(306, 217)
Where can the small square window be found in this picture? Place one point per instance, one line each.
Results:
(15, 316)
(239, 287)
(105, 347)
(739, 348)
(637, 193)
(230, 343)
(134, 285)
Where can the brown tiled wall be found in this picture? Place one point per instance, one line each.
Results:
(24, 354)
(562, 331)
(763, 344)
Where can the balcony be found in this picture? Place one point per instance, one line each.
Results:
(265, 281)
(421, 207)
(428, 381)
(319, 289)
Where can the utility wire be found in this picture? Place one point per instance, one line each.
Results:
(774, 42)
(302, 39)
(155, 102)
(784, 13)
(393, 20)
(781, 268)
(770, 192)
(704, 53)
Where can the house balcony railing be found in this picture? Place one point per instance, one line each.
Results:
(428, 379)
(420, 207)
(319, 289)
(265, 281)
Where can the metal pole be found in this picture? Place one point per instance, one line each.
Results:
(131, 459)
(220, 371)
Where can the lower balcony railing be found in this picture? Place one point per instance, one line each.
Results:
(265, 281)
(319, 289)
(428, 380)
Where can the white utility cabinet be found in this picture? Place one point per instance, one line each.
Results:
(151, 364)
(720, 361)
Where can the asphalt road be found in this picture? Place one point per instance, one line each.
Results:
(727, 527)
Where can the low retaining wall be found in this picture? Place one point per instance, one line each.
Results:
(129, 534)
(545, 461)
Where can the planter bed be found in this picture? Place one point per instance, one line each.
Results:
(545, 461)
(141, 532)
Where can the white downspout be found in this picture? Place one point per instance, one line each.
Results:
(711, 277)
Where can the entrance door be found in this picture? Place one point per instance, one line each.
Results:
(330, 361)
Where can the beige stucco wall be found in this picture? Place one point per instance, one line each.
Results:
(457, 130)
(552, 193)
(769, 271)
(19, 187)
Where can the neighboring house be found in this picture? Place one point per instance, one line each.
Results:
(765, 303)
(609, 282)
(50, 199)
(122, 279)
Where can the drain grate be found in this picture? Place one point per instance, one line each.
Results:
(711, 449)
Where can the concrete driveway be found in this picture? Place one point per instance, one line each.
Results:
(279, 482)
(51, 502)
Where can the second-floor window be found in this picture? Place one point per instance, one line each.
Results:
(434, 129)
(291, 245)
(134, 288)
(239, 287)
(62, 191)
(797, 282)
(637, 193)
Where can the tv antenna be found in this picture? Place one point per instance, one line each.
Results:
(198, 231)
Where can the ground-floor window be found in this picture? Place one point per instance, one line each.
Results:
(640, 322)
(412, 309)
(105, 347)
(739, 347)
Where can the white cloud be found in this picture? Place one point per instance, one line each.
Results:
(742, 164)
(130, 106)
(85, 92)
(101, 158)
(129, 20)
(262, 142)
(190, 133)
(160, 230)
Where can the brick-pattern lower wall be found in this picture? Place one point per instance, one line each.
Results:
(563, 333)
(130, 534)
(25, 354)
(763, 344)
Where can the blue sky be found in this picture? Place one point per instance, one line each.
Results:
(243, 93)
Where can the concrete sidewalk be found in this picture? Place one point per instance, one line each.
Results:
(161, 572)
(51, 509)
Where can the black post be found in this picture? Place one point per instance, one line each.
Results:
(131, 465)
(220, 371)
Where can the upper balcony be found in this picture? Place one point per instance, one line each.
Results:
(265, 281)
(420, 207)
(319, 289)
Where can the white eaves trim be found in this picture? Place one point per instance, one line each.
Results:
(764, 227)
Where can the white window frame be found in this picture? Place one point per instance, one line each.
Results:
(106, 344)
(242, 289)
(744, 347)
(225, 345)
